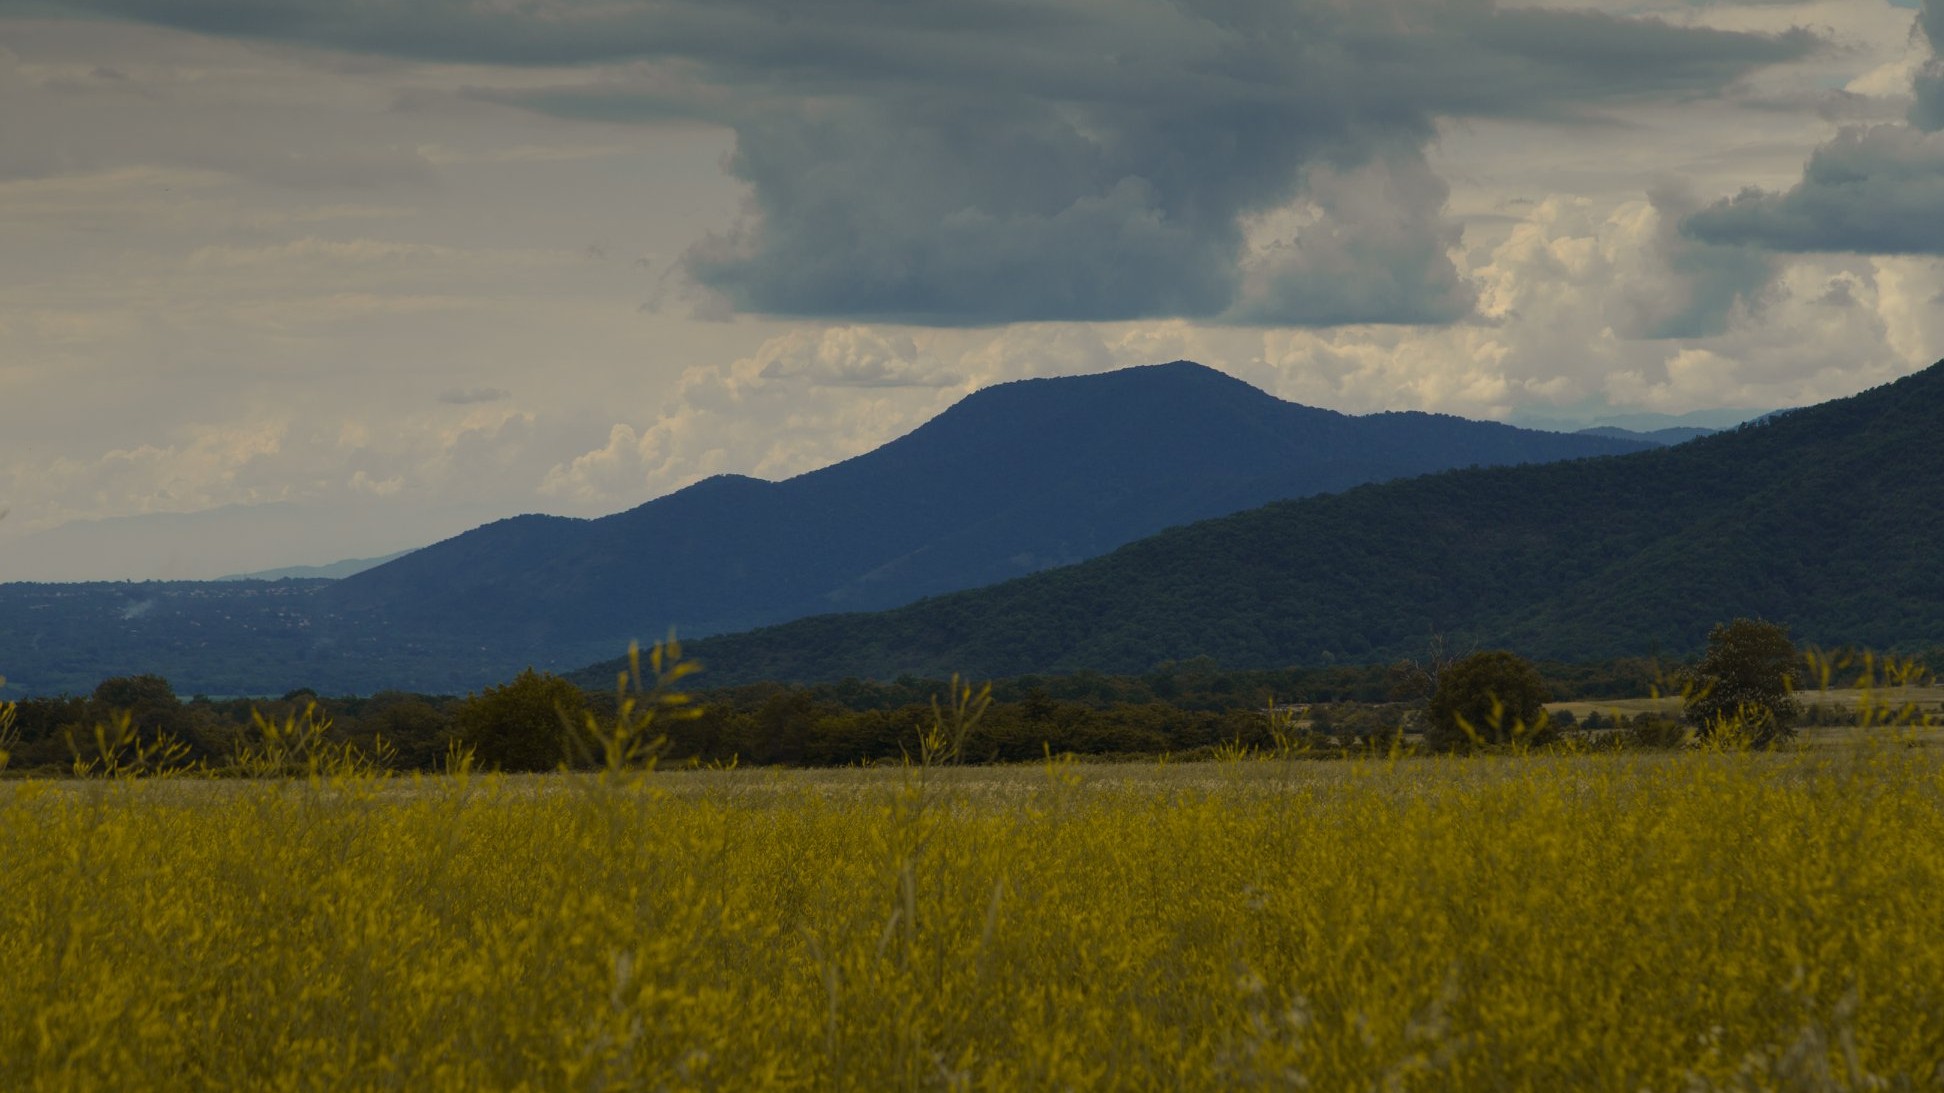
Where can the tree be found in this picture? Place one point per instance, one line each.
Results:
(1746, 680)
(148, 699)
(1487, 698)
(154, 712)
(408, 723)
(520, 725)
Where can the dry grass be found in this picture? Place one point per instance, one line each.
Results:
(1695, 920)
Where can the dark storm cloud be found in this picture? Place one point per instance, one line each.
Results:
(1875, 190)
(1928, 111)
(1708, 280)
(989, 161)
(1871, 190)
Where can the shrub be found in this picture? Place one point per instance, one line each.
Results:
(1487, 698)
(1653, 731)
(1365, 729)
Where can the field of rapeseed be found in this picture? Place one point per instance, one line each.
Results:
(1615, 921)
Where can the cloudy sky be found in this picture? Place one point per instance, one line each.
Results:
(288, 281)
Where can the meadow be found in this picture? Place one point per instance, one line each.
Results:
(1705, 919)
(1921, 697)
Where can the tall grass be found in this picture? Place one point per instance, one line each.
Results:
(1702, 920)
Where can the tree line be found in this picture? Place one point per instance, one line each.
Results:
(1190, 709)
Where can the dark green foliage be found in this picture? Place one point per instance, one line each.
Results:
(1487, 699)
(1829, 517)
(154, 712)
(44, 726)
(1652, 731)
(412, 724)
(522, 725)
(1746, 678)
(1362, 729)
(149, 700)
(1185, 709)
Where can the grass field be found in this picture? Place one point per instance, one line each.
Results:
(1615, 921)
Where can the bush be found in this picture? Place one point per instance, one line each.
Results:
(1489, 698)
(520, 725)
(1365, 729)
(1653, 731)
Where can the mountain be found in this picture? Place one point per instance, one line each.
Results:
(1678, 434)
(331, 571)
(1011, 480)
(1569, 420)
(1827, 519)
(229, 539)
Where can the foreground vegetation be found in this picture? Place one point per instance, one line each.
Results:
(1186, 711)
(1710, 919)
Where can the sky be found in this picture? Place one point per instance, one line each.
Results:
(289, 281)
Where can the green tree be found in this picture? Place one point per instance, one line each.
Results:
(154, 713)
(1487, 698)
(1746, 680)
(410, 724)
(520, 725)
(148, 699)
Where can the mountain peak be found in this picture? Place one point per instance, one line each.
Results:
(1160, 379)
(1824, 518)
(1011, 480)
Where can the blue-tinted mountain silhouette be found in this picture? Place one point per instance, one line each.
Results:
(1828, 519)
(1012, 480)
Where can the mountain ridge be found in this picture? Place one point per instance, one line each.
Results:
(1823, 516)
(1013, 479)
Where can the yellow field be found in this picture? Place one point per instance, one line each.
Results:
(1592, 922)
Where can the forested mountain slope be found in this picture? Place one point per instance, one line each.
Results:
(1830, 519)
(1013, 479)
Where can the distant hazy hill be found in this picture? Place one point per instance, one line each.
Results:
(1679, 434)
(332, 571)
(1828, 518)
(1013, 479)
(212, 544)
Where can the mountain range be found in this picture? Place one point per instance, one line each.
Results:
(1676, 434)
(328, 571)
(1012, 480)
(1828, 519)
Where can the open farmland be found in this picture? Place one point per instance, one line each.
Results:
(1611, 921)
(1900, 703)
